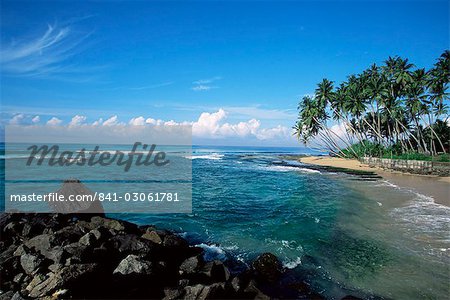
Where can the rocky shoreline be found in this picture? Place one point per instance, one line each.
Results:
(56, 256)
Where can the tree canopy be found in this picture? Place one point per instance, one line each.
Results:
(394, 106)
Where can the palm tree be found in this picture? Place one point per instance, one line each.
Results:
(415, 104)
(392, 106)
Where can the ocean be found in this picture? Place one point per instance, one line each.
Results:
(340, 234)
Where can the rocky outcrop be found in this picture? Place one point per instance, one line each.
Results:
(53, 256)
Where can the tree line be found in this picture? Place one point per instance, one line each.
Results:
(393, 108)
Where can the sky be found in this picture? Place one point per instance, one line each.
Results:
(233, 70)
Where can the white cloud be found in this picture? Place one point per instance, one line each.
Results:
(208, 123)
(17, 119)
(77, 120)
(206, 81)
(171, 123)
(204, 84)
(138, 121)
(36, 119)
(98, 122)
(339, 129)
(271, 133)
(111, 121)
(154, 121)
(202, 87)
(54, 121)
(338, 132)
(211, 125)
(242, 129)
(43, 54)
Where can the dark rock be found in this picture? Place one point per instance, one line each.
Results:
(237, 284)
(12, 229)
(8, 285)
(80, 256)
(78, 252)
(7, 253)
(113, 224)
(22, 249)
(173, 293)
(175, 241)
(252, 291)
(17, 296)
(215, 271)
(19, 278)
(163, 233)
(6, 295)
(108, 257)
(88, 239)
(9, 267)
(174, 249)
(95, 236)
(29, 230)
(134, 264)
(152, 236)
(130, 243)
(199, 291)
(55, 267)
(30, 262)
(73, 276)
(183, 282)
(68, 235)
(37, 279)
(57, 254)
(59, 294)
(191, 265)
(41, 242)
(145, 228)
(267, 267)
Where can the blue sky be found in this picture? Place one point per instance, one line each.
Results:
(245, 64)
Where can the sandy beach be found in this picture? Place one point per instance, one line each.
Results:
(433, 186)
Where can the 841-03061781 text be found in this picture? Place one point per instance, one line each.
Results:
(136, 196)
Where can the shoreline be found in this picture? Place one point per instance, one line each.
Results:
(92, 256)
(430, 185)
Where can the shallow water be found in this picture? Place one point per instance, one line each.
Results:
(343, 236)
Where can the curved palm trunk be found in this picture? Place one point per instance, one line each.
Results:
(434, 132)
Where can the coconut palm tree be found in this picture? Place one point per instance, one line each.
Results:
(392, 106)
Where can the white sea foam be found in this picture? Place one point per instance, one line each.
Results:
(212, 252)
(290, 169)
(388, 184)
(424, 215)
(14, 156)
(292, 264)
(213, 156)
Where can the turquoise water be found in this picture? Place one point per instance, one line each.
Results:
(369, 238)
(342, 235)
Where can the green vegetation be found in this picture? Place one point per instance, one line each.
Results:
(390, 111)
(369, 148)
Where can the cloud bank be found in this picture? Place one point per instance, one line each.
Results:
(210, 125)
